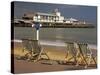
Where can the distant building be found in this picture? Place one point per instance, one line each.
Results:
(54, 17)
(44, 17)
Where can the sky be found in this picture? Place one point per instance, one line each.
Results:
(87, 13)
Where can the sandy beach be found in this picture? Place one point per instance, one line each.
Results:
(58, 53)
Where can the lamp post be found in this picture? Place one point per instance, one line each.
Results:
(37, 26)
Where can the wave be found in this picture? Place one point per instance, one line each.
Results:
(56, 43)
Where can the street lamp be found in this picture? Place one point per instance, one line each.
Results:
(37, 26)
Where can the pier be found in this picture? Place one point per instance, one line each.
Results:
(54, 25)
(50, 20)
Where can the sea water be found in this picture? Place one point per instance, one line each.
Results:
(58, 36)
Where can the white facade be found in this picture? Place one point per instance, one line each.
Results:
(61, 19)
(58, 14)
(44, 17)
(50, 17)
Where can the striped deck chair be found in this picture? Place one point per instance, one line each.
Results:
(86, 54)
(34, 49)
(72, 52)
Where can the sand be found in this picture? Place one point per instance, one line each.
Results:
(55, 53)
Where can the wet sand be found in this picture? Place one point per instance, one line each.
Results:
(24, 66)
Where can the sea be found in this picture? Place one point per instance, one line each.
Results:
(58, 36)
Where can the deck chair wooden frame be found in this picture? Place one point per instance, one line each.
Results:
(34, 48)
(85, 53)
(71, 50)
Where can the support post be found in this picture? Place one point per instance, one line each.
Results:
(37, 34)
(37, 25)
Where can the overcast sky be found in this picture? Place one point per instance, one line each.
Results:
(88, 13)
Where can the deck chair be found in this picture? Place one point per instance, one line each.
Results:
(72, 52)
(26, 50)
(26, 45)
(86, 54)
(34, 49)
(37, 50)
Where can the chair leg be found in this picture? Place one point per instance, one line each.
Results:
(28, 56)
(84, 61)
(76, 60)
(47, 55)
(39, 56)
(89, 60)
(94, 60)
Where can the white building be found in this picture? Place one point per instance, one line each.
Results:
(55, 16)
(44, 17)
(71, 20)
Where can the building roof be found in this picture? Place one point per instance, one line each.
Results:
(47, 14)
(71, 19)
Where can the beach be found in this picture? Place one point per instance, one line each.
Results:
(24, 66)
